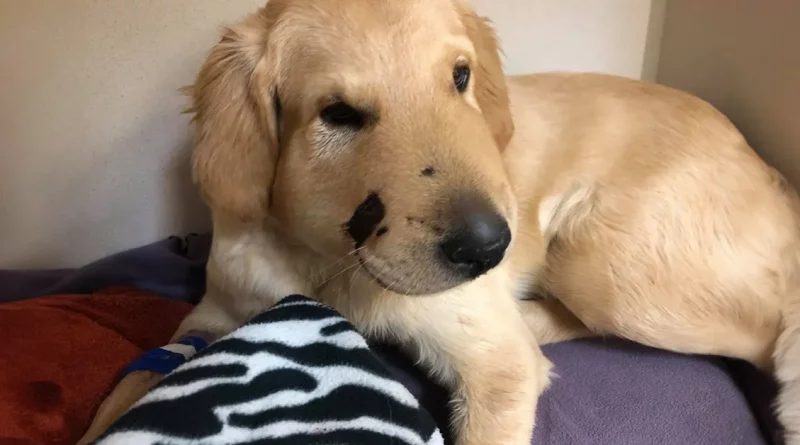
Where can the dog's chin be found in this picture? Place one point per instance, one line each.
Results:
(408, 283)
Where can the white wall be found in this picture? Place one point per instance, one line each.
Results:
(575, 35)
(93, 148)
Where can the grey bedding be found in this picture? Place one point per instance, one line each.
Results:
(608, 391)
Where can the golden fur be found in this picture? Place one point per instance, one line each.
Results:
(639, 210)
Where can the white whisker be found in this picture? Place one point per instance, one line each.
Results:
(338, 274)
(353, 279)
(349, 254)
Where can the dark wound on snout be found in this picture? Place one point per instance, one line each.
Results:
(366, 218)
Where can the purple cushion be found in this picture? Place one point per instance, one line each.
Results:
(607, 391)
(616, 392)
(610, 391)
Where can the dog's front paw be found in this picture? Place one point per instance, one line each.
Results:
(497, 404)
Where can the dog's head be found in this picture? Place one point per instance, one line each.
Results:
(363, 126)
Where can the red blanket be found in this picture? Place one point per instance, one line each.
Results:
(61, 355)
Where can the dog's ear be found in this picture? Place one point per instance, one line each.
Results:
(490, 82)
(236, 134)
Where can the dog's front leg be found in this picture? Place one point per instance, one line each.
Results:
(248, 272)
(476, 341)
(209, 319)
(499, 378)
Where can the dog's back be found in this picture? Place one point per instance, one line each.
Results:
(661, 224)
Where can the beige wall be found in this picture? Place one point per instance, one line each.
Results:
(93, 148)
(743, 57)
(576, 35)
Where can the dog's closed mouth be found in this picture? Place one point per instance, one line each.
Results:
(363, 263)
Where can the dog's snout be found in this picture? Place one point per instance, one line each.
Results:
(479, 241)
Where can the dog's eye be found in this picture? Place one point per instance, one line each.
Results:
(461, 74)
(339, 114)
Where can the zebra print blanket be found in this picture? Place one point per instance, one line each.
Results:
(297, 374)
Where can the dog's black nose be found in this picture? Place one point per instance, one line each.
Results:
(479, 241)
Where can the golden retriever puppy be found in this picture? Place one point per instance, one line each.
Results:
(372, 154)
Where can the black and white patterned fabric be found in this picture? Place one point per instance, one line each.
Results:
(297, 374)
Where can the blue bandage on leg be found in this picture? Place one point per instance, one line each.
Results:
(165, 359)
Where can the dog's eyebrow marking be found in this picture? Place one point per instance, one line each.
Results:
(428, 171)
(365, 219)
